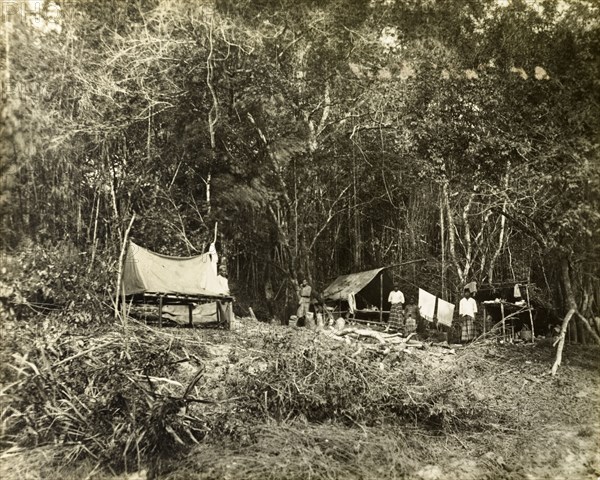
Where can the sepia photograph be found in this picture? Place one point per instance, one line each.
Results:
(300, 240)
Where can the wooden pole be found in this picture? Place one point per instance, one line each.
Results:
(381, 297)
(120, 293)
(530, 314)
(190, 314)
(484, 319)
(160, 307)
(406, 263)
(218, 312)
(503, 321)
(121, 265)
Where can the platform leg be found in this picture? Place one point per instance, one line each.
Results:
(160, 307)
(190, 315)
(218, 312)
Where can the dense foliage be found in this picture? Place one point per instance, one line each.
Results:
(323, 137)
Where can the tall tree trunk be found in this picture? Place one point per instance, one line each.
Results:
(288, 256)
(451, 232)
(356, 219)
(442, 236)
(467, 234)
(561, 340)
(502, 229)
(213, 114)
(569, 298)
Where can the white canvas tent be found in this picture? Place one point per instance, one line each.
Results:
(153, 278)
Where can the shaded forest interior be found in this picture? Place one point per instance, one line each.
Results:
(323, 138)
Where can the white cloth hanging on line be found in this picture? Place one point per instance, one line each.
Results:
(426, 305)
(445, 312)
(517, 291)
(472, 287)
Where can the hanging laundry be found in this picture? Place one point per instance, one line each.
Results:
(351, 302)
(214, 257)
(472, 287)
(426, 305)
(445, 312)
(517, 291)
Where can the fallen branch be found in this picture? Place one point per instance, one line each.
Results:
(364, 333)
(81, 354)
(394, 343)
(382, 338)
(561, 340)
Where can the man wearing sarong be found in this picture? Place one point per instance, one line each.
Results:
(304, 300)
(396, 298)
(467, 308)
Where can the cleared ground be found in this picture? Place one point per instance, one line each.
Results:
(296, 404)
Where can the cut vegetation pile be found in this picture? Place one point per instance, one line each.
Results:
(319, 379)
(99, 397)
(272, 402)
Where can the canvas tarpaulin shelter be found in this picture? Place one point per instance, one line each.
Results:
(370, 287)
(146, 271)
(150, 277)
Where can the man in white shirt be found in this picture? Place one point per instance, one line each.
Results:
(304, 301)
(467, 308)
(396, 298)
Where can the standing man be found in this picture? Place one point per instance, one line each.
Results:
(396, 298)
(304, 300)
(467, 308)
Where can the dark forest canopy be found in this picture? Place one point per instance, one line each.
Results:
(323, 137)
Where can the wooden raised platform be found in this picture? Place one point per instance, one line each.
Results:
(160, 299)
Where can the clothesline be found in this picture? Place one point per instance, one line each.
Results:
(488, 287)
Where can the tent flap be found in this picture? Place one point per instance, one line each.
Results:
(339, 289)
(148, 272)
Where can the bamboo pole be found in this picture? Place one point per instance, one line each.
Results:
(121, 264)
(503, 321)
(406, 263)
(530, 314)
(381, 297)
(124, 318)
